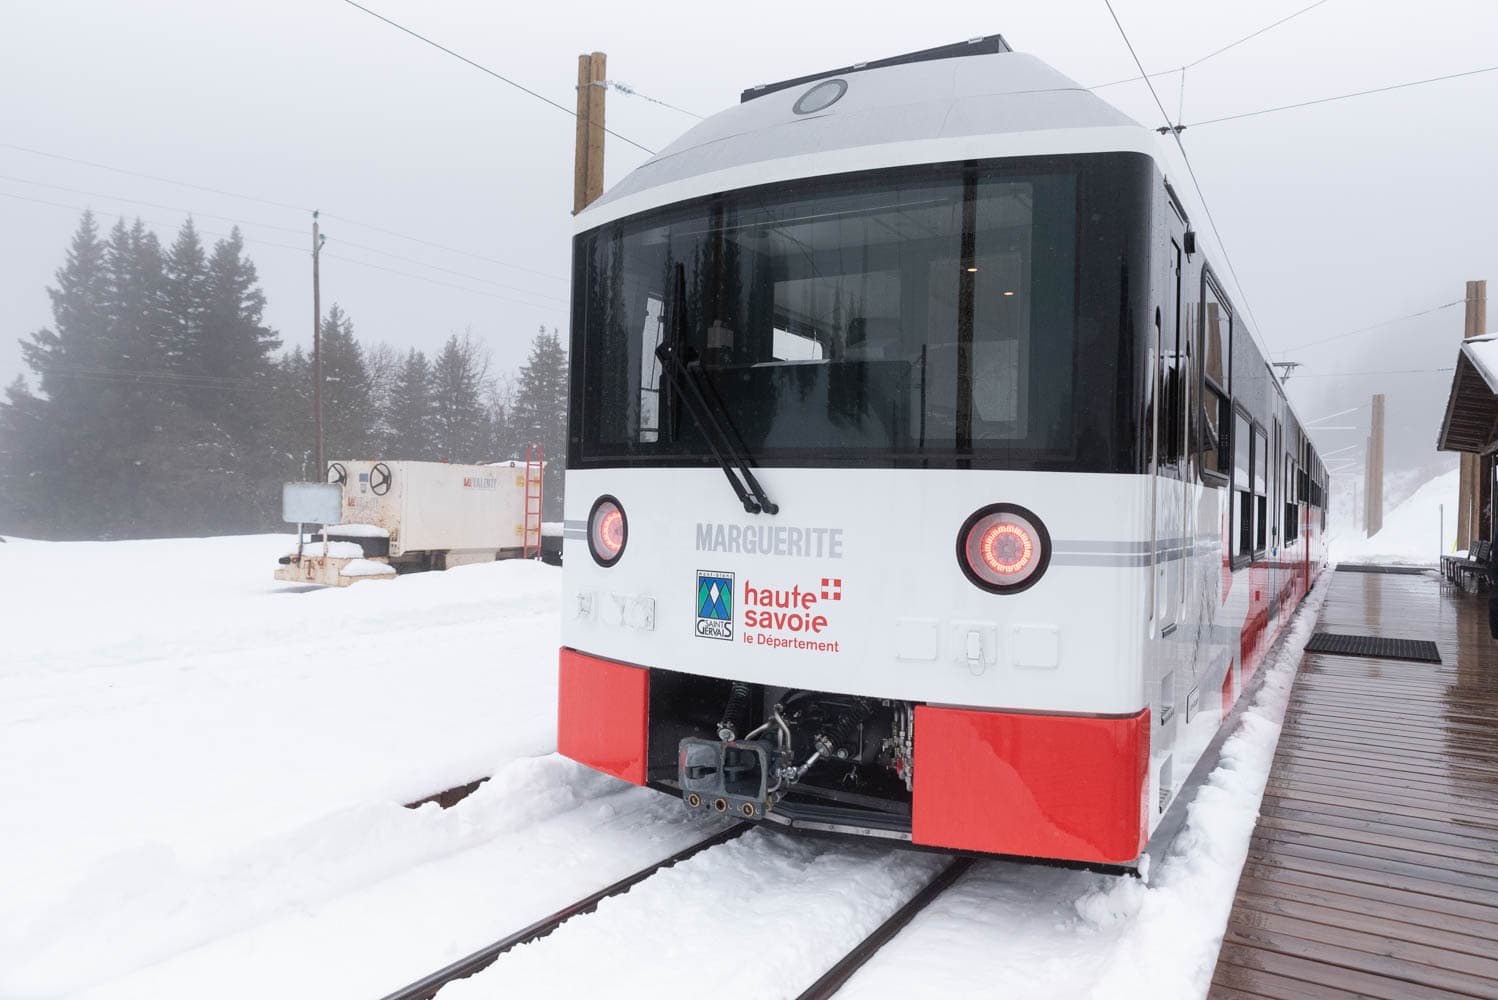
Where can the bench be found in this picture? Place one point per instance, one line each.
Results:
(1474, 564)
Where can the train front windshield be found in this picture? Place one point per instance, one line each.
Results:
(966, 315)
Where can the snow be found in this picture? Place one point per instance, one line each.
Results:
(1413, 532)
(1484, 354)
(188, 748)
(336, 550)
(204, 791)
(358, 531)
(366, 567)
(552, 529)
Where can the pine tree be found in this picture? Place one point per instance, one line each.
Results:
(347, 401)
(41, 430)
(186, 273)
(410, 414)
(291, 419)
(459, 375)
(540, 411)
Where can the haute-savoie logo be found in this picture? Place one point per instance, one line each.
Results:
(714, 604)
(795, 617)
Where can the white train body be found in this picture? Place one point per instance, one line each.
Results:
(1052, 710)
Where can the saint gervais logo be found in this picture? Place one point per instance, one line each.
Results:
(714, 604)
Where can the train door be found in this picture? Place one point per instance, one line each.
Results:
(1169, 488)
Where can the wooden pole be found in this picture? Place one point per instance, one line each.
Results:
(1467, 528)
(1375, 502)
(587, 167)
(317, 350)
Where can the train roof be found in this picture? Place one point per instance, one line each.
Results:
(933, 106)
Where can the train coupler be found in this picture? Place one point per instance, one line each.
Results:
(737, 777)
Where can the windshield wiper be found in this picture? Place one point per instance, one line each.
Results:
(693, 387)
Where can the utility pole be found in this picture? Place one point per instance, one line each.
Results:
(587, 172)
(1467, 510)
(317, 242)
(1373, 490)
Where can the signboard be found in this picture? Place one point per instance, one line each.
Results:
(312, 503)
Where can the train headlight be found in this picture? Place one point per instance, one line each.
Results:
(608, 531)
(1003, 548)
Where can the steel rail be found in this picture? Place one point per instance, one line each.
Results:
(427, 986)
(833, 979)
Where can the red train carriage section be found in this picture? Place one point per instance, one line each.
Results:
(1051, 786)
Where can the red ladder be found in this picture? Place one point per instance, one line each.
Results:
(534, 467)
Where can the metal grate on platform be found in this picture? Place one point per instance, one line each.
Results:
(1375, 647)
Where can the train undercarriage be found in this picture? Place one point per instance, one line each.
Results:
(811, 759)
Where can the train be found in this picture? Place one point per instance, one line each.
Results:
(924, 480)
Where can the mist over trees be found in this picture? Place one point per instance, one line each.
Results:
(160, 403)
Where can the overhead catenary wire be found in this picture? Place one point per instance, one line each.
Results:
(1174, 131)
(1396, 371)
(1215, 52)
(1372, 326)
(1343, 97)
(300, 209)
(498, 76)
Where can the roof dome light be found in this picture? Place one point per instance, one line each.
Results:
(820, 97)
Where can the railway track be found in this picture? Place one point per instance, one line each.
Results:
(825, 986)
(428, 985)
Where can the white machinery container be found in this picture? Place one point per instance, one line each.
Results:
(420, 515)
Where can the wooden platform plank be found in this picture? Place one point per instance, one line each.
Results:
(1371, 872)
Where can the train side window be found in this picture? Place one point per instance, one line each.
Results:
(1292, 513)
(1243, 497)
(1261, 499)
(1217, 325)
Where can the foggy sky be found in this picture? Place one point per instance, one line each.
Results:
(1336, 217)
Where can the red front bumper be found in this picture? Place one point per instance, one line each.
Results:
(1043, 786)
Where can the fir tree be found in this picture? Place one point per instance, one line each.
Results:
(410, 415)
(347, 401)
(539, 415)
(458, 379)
(186, 273)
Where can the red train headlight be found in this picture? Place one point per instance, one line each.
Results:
(1003, 548)
(608, 531)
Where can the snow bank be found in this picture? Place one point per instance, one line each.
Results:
(189, 749)
(1412, 533)
(366, 567)
(336, 550)
(1046, 933)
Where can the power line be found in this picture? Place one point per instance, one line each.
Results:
(498, 76)
(162, 379)
(149, 204)
(1175, 132)
(152, 177)
(1398, 371)
(1125, 35)
(295, 249)
(276, 204)
(626, 89)
(287, 229)
(1373, 326)
(1344, 97)
(1215, 52)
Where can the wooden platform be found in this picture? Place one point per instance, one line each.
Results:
(1373, 871)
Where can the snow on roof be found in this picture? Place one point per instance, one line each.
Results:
(1483, 353)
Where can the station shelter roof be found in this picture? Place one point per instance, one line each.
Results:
(1471, 421)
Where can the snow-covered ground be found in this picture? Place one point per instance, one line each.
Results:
(1415, 531)
(203, 773)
